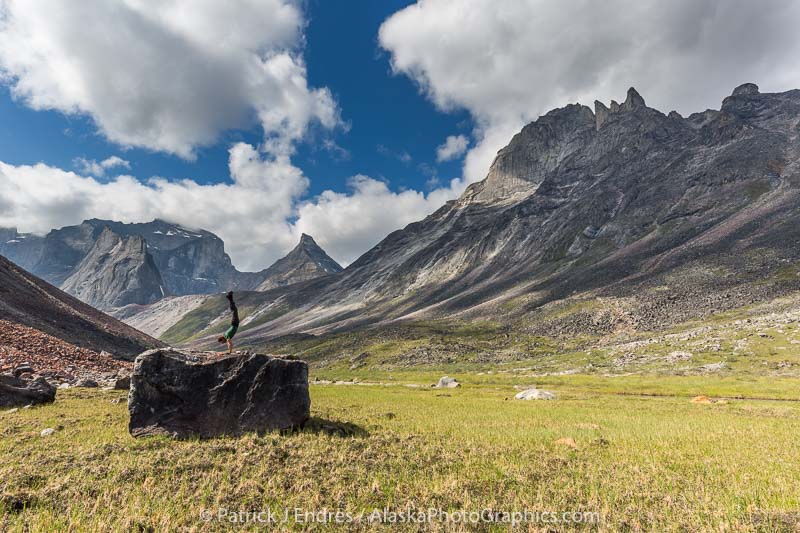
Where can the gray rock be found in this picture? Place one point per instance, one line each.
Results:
(184, 395)
(746, 89)
(447, 383)
(117, 271)
(47, 432)
(86, 383)
(535, 394)
(122, 383)
(15, 391)
(24, 368)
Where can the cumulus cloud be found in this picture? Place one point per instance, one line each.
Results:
(350, 223)
(509, 62)
(169, 76)
(92, 167)
(454, 146)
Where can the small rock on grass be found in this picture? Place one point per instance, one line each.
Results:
(446, 382)
(47, 432)
(535, 394)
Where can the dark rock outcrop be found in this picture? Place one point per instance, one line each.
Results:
(16, 391)
(184, 395)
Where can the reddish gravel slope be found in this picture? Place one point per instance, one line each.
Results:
(50, 356)
(32, 302)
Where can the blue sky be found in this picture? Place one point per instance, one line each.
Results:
(260, 120)
(387, 118)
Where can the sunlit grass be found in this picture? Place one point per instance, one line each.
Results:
(649, 463)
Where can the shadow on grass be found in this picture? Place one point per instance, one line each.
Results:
(331, 427)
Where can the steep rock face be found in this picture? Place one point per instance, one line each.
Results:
(24, 248)
(32, 302)
(617, 201)
(306, 261)
(62, 250)
(115, 272)
(537, 150)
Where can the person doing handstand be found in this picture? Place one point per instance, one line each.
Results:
(228, 336)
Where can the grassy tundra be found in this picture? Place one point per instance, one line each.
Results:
(647, 460)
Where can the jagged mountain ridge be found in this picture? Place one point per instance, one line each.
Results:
(159, 259)
(624, 201)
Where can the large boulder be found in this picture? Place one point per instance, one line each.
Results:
(188, 395)
(15, 391)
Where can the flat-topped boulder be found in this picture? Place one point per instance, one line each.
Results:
(183, 395)
(17, 391)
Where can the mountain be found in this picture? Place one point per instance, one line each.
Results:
(155, 259)
(644, 218)
(34, 303)
(190, 261)
(116, 271)
(24, 248)
(306, 261)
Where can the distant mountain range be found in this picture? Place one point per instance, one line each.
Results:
(109, 264)
(617, 218)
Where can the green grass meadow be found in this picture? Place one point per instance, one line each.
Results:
(630, 462)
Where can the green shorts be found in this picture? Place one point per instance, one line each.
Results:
(231, 332)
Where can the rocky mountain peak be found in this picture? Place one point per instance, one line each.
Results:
(745, 89)
(306, 261)
(600, 113)
(633, 100)
(308, 240)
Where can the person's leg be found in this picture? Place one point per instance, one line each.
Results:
(234, 309)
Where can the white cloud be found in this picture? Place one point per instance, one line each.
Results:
(169, 76)
(508, 62)
(98, 169)
(347, 224)
(454, 146)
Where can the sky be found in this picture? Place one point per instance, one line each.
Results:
(260, 120)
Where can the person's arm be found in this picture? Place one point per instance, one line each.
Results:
(230, 345)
